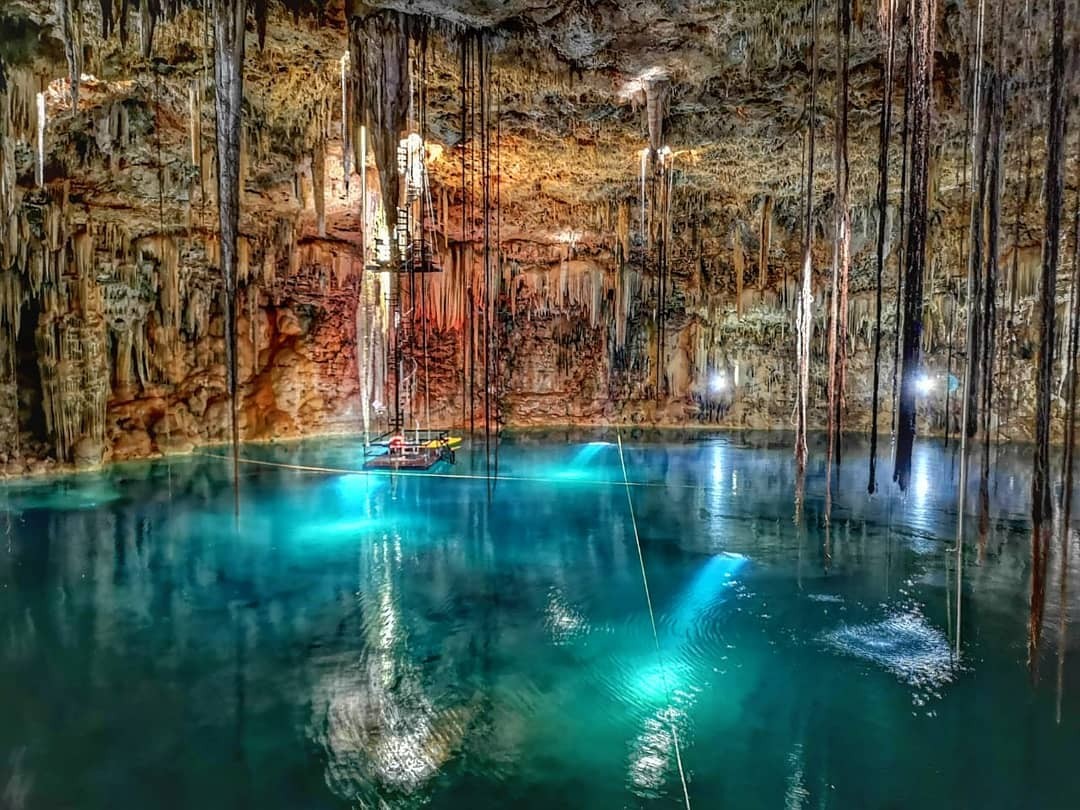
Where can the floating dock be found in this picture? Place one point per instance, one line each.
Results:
(415, 450)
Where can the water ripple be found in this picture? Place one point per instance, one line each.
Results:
(904, 644)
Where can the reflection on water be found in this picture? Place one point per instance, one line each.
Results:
(370, 641)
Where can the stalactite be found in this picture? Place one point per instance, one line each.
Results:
(195, 122)
(228, 99)
(738, 261)
(656, 98)
(383, 37)
(1068, 459)
(905, 155)
(1042, 506)
(921, 87)
(888, 25)
(147, 23)
(106, 18)
(764, 240)
(977, 240)
(67, 12)
(261, 9)
(318, 181)
(622, 233)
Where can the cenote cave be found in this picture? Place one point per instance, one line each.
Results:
(539, 403)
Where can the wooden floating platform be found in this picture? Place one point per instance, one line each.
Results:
(414, 458)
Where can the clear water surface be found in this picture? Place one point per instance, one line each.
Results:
(441, 641)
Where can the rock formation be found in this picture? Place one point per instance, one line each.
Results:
(611, 197)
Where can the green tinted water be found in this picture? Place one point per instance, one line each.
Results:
(367, 641)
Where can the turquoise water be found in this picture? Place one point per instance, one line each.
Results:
(419, 640)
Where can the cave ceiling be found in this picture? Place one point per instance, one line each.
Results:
(569, 81)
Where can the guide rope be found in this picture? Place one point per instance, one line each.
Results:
(458, 476)
(652, 620)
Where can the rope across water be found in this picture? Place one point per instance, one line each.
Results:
(652, 620)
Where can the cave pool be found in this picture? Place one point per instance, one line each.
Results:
(442, 640)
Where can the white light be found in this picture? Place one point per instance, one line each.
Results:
(924, 384)
(718, 382)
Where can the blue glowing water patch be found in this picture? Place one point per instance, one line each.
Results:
(705, 588)
(905, 644)
(587, 453)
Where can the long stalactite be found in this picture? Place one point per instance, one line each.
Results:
(977, 237)
(229, 19)
(994, 179)
(888, 26)
(1068, 462)
(1042, 502)
(920, 82)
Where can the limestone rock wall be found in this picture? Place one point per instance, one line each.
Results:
(111, 330)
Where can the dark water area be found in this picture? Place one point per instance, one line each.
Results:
(447, 640)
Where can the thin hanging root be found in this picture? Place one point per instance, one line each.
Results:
(1068, 462)
(921, 88)
(838, 300)
(972, 333)
(905, 204)
(1042, 504)
(996, 114)
(889, 34)
(804, 319)
(228, 98)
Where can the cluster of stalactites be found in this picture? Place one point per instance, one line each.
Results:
(380, 66)
(595, 291)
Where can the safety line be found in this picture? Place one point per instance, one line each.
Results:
(459, 476)
(652, 620)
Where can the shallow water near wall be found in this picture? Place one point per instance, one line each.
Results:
(447, 640)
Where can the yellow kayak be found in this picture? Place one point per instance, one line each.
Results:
(453, 441)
